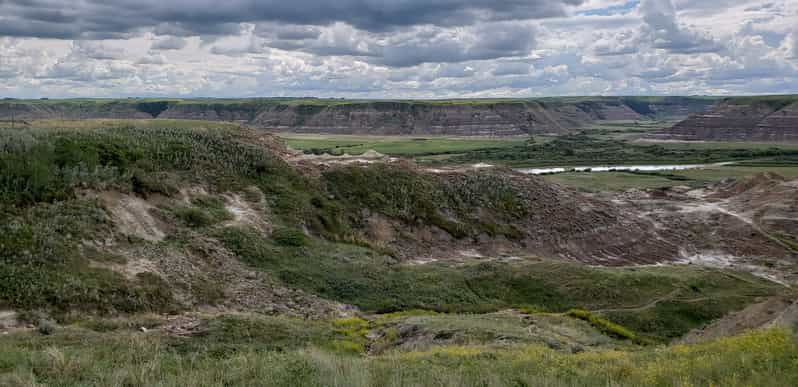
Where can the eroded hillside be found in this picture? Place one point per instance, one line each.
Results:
(765, 119)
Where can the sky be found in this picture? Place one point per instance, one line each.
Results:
(396, 48)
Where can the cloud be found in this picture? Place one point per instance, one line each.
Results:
(97, 50)
(665, 31)
(396, 49)
(170, 43)
(790, 45)
(436, 45)
(512, 68)
(119, 18)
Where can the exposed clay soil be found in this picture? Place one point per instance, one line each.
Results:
(749, 225)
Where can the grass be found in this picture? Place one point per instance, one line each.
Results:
(584, 149)
(610, 181)
(723, 145)
(603, 325)
(621, 181)
(394, 146)
(42, 265)
(203, 211)
(357, 276)
(72, 357)
(43, 262)
(47, 168)
(423, 331)
(104, 123)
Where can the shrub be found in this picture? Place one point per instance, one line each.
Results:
(605, 326)
(193, 217)
(352, 333)
(145, 184)
(46, 327)
(287, 236)
(532, 309)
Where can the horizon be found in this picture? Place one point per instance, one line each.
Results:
(177, 98)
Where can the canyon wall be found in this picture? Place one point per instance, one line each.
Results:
(459, 117)
(766, 119)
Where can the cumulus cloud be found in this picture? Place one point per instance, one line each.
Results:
(392, 49)
(425, 45)
(97, 50)
(118, 18)
(667, 33)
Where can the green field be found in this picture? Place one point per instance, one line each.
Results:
(404, 146)
(603, 145)
(620, 181)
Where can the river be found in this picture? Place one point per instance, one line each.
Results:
(611, 168)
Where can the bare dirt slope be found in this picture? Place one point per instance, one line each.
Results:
(748, 224)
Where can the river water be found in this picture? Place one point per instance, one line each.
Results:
(614, 168)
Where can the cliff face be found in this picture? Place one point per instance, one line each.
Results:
(504, 119)
(741, 119)
(71, 111)
(462, 118)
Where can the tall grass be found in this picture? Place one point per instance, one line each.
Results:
(766, 358)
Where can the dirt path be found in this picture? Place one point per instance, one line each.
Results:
(648, 305)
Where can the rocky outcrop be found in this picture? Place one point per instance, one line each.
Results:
(741, 119)
(460, 117)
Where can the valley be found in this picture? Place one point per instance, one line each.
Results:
(202, 249)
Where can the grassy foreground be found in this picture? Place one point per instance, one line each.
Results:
(79, 357)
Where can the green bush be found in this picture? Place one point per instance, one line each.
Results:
(607, 327)
(193, 217)
(46, 327)
(205, 211)
(287, 236)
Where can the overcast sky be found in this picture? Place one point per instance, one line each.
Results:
(396, 48)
